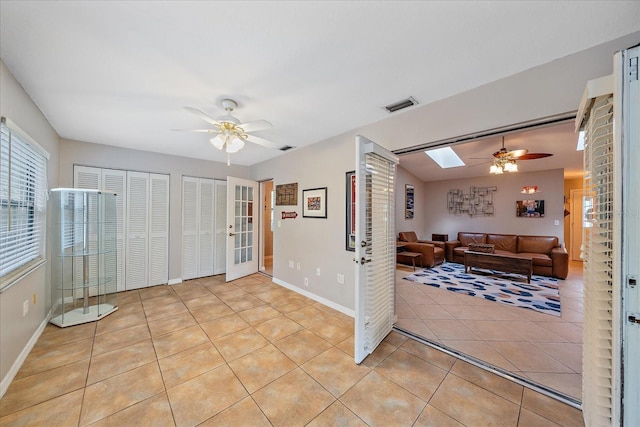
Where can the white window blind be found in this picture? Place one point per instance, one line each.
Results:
(380, 249)
(599, 254)
(23, 201)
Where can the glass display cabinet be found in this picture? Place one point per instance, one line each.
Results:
(84, 255)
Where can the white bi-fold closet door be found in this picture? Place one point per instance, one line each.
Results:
(142, 222)
(203, 227)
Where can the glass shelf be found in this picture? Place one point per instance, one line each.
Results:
(84, 273)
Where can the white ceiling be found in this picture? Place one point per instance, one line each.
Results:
(559, 140)
(120, 72)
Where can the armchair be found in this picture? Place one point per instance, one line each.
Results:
(432, 253)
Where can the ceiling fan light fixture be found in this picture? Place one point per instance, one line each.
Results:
(511, 166)
(234, 145)
(218, 142)
(496, 169)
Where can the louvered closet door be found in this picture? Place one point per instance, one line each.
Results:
(137, 230)
(86, 178)
(206, 230)
(116, 181)
(158, 229)
(220, 220)
(376, 249)
(189, 228)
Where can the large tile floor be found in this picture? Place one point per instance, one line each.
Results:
(250, 353)
(536, 346)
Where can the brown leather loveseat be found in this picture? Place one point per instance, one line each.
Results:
(547, 256)
(432, 253)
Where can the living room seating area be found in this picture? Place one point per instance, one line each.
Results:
(547, 256)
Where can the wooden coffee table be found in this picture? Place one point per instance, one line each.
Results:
(412, 256)
(506, 263)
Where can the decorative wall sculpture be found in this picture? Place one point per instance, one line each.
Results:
(479, 201)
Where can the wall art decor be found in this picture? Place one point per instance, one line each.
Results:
(314, 203)
(530, 208)
(478, 202)
(351, 211)
(287, 194)
(409, 200)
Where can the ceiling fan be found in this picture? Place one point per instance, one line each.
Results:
(229, 133)
(505, 161)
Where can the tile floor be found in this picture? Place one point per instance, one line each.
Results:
(250, 353)
(541, 347)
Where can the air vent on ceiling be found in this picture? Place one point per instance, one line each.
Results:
(401, 104)
(286, 147)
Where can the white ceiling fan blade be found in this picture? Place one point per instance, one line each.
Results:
(195, 130)
(202, 115)
(257, 125)
(261, 141)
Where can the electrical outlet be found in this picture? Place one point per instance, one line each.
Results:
(318, 271)
(306, 281)
(25, 307)
(290, 263)
(341, 279)
(298, 266)
(556, 222)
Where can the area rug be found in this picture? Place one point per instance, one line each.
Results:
(540, 295)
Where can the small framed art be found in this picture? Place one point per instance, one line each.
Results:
(408, 201)
(314, 203)
(351, 211)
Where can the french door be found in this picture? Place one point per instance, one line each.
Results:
(375, 248)
(242, 227)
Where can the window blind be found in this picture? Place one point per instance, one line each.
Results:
(23, 199)
(598, 241)
(380, 249)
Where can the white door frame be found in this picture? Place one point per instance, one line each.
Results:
(242, 229)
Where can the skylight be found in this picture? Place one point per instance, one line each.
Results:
(445, 157)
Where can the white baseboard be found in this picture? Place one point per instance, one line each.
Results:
(6, 381)
(174, 281)
(342, 309)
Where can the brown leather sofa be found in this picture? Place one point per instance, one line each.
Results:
(548, 258)
(432, 253)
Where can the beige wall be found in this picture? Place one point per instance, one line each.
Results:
(16, 330)
(439, 220)
(314, 242)
(416, 224)
(105, 156)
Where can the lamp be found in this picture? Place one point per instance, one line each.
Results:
(511, 166)
(503, 164)
(529, 189)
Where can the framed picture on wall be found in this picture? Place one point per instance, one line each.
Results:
(408, 201)
(314, 203)
(530, 208)
(351, 211)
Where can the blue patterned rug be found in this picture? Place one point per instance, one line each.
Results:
(541, 294)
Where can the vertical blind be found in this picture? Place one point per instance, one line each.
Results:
(598, 240)
(380, 249)
(23, 200)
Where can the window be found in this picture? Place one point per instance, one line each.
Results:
(23, 194)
